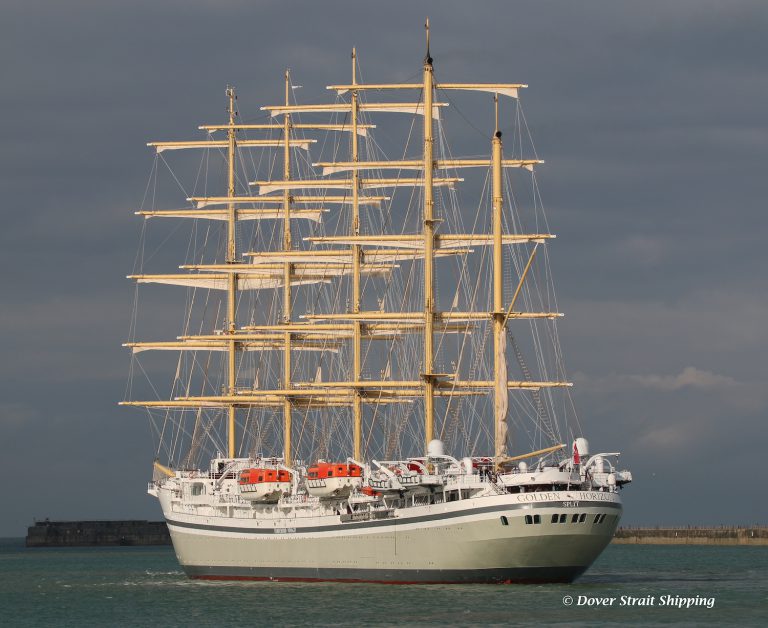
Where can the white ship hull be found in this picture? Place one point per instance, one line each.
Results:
(461, 541)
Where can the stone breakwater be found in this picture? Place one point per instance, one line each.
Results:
(136, 532)
(725, 535)
(97, 533)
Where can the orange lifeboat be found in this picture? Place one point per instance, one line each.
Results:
(264, 485)
(370, 491)
(333, 479)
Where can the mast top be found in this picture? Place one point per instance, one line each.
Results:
(231, 97)
(496, 132)
(428, 57)
(287, 86)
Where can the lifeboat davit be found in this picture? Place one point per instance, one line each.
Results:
(333, 479)
(264, 485)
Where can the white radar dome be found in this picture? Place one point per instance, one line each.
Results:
(436, 448)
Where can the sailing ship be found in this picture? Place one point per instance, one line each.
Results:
(322, 377)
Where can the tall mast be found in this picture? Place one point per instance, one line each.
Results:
(360, 254)
(500, 400)
(429, 242)
(287, 270)
(232, 277)
(357, 405)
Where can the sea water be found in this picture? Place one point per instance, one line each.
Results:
(141, 586)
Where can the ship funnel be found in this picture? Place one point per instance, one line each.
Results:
(435, 448)
(582, 446)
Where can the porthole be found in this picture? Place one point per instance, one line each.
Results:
(528, 519)
(504, 520)
(563, 517)
(554, 518)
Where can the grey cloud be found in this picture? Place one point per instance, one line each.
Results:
(689, 377)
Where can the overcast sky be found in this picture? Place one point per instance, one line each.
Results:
(651, 117)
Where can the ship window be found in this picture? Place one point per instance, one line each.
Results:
(330, 473)
(528, 519)
(582, 517)
(554, 518)
(536, 518)
(575, 518)
(563, 518)
(597, 519)
(504, 520)
(198, 489)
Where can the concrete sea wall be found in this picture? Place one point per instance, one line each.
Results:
(97, 533)
(725, 535)
(134, 532)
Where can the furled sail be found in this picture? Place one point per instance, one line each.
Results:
(163, 146)
(315, 215)
(415, 108)
(361, 129)
(265, 187)
(448, 241)
(414, 164)
(207, 201)
(506, 89)
(221, 281)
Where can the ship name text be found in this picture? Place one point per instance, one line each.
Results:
(557, 496)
